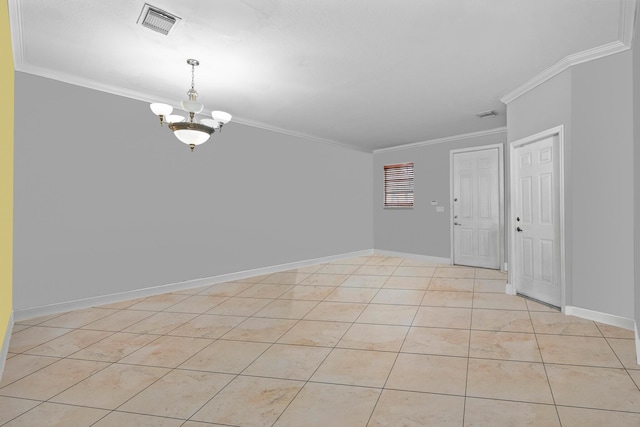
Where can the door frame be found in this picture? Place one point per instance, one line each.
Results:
(501, 230)
(512, 285)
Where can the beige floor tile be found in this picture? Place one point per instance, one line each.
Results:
(309, 269)
(408, 262)
(504, 346)
(287, 309)
(309, 293)
(501, 320)
(22, 365)
(336, 311)
(167, 351)
(32, 337)
(403, 282)
(122, 419)
(451, 284)
(78, 318)
(159, 302)
(376, 270)
(489, 285)
(598, 388)
(635, 375)
(338, 269)
(110, 387)
(179, 394)
(561, 324)
(120, 305)
(414, 271)
(293, 362)
(388, 314)
(197, 304)
(485, 273)
(490, 413)
(240, 306)
(253, 279)
(459, 272)
(352, 261)
(36, 320)
(615, 332)
(443, 342)
(119, 320)
(315, 333)
(399, 296)
(384, 260)
(285, 278)
(68, 343)
(322, 405)
(443, 317)
(499, 301)
(199, 424)
(355, 367)
(227, 289)
(374, 337)
(51, 380)
(331, 280)
(160, 323)
(250, 401)
(581, 417)
(448, 299)
(576, 350)
(625, 349)
(344, 294)
(50, 414)
(410, 409)
(208, 326)
(114, 347)
(226, 356)
(260, 329)
(18, 327)
(364, 281)
(432, 374)
(11, 408)
(264, 290)
(536, 306)
(508, 380)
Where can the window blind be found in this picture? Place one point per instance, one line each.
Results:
(398, 185)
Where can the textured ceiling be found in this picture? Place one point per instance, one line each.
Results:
(366, 73)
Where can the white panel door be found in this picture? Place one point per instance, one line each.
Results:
(537, 221)
(476, 208)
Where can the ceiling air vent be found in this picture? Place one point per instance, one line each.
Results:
(157, 19)
(485, 114)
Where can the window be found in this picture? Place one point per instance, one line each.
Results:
(398, 185)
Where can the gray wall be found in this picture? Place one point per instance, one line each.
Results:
(107, 201)
(420, 230)
(593, 101)
(636, 162)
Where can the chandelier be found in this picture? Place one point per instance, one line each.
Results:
(191, 131)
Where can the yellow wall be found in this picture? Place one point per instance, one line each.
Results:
(6, 171)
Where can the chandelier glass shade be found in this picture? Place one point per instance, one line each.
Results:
(191, 130)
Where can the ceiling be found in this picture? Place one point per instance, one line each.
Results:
(365, 73)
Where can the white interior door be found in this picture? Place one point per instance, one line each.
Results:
(476, 208)
(536, 220)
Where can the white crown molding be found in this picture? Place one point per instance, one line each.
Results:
(626, 26)
(443, 140)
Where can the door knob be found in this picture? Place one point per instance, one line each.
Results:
(519, 230)
(456, 223)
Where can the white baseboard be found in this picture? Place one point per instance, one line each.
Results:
(505, 267)
(28, 313)
(509, 289)
(5, 344)
(425, 258)
(597, 316)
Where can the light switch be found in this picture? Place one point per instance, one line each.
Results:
(439, 208)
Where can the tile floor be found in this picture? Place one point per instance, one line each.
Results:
(370, 341)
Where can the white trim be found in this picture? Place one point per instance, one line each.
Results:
(5, 344)
(443, 140)
(597, 316)
(627, 22)
(509, 289)
(635, 326)
(17, 40)
(417, 257)
(501, 230)
(505, 266)
(62, 307)
(559, 131)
